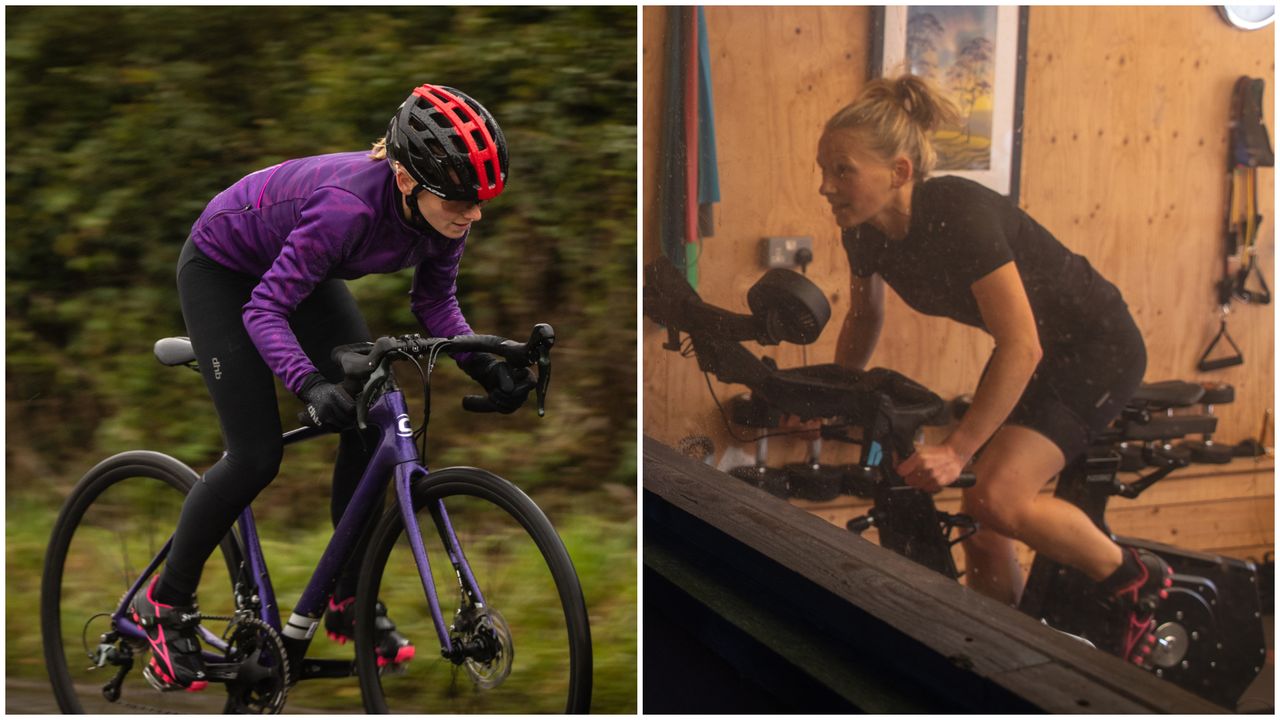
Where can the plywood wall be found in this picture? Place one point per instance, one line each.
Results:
(1124, 160)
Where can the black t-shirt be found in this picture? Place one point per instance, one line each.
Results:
(960, 232)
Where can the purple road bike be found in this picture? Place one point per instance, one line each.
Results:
(510, 619)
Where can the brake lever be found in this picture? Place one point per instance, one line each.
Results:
(376, 380)
(541, 340)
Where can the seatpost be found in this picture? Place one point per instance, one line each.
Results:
(815, 451)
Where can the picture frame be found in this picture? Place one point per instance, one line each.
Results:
(977, 56)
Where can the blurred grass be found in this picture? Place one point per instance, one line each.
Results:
(598, 529)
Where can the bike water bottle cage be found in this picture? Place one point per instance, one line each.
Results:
(450, 144)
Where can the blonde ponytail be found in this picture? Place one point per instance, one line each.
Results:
(897, 116)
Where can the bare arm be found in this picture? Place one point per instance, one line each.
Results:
(861, 329)
(1006, 311)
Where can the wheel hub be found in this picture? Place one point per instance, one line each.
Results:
(487, 648)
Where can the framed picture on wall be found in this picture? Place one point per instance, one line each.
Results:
(977, 56)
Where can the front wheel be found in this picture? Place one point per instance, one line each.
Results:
(528, 645)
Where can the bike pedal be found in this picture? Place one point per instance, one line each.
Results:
(392, 668)
(161, 685)
(403, 656)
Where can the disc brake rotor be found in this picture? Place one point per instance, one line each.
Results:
(489, 630)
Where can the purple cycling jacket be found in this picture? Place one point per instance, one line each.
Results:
(310, 219)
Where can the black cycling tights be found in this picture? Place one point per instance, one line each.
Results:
(244, 395)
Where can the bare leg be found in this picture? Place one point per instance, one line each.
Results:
(1013, 468)
(991, 565)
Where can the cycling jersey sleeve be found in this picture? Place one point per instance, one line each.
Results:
(434, 296)
(979, 240)
(330, 223)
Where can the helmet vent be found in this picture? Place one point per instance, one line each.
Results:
(416, 123)
(459, 144)
(479, 138)
(488, 171)
(441, 119)
(437, 149)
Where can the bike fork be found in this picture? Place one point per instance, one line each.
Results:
(405, 476)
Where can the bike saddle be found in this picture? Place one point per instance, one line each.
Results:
(174, 351)
(1167, 394)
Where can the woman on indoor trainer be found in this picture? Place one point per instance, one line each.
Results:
(1067, 352)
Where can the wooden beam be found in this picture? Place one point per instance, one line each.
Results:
(854, 611)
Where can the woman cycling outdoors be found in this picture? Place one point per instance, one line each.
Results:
(1067, 352)
(261, 284)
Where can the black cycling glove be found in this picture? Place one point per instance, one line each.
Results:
(327, 404)
(508, 387)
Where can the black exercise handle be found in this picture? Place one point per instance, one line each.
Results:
(1226, 362)
(304, 419)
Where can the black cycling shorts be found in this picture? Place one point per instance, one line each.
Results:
(1078, 389)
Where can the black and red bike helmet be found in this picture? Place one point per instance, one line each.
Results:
(450, 144)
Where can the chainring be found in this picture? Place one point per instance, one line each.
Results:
(262, 679)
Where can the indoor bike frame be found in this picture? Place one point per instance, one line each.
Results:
(394, 461)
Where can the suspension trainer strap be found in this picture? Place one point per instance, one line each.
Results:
(1250, 149)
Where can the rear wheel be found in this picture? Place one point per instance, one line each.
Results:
(114, 523)
(529, 644)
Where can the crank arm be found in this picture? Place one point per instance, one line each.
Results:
(222, 672)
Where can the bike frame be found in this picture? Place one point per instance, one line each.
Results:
(395, 460)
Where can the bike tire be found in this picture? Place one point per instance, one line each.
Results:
(463, 486)
(102, 478)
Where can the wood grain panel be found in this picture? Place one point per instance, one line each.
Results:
(1124, 160)
(746, 534)
(1125, 145)
(778, 74)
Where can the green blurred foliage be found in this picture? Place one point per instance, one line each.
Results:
(124, 121)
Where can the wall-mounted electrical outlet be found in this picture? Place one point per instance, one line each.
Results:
(780, 252)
